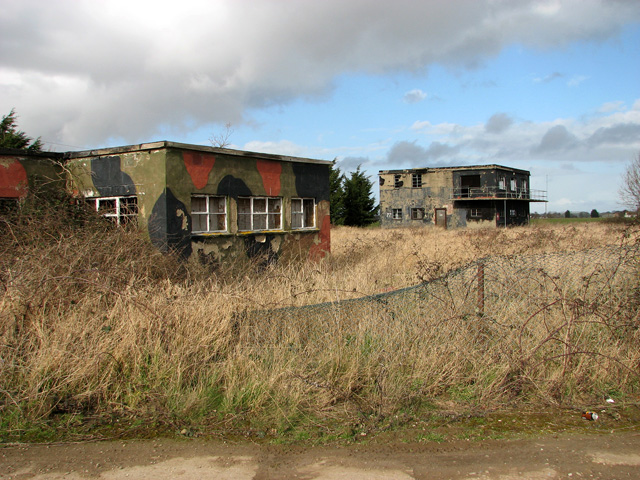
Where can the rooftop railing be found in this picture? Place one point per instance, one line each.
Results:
(480, 193)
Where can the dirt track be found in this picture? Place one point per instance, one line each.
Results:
(606, 456)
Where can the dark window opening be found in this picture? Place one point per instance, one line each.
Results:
(469, 183)
(417, 213)
(416, 180)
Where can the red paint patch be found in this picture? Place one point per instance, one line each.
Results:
(319, 250)
(199, 166)
(13, 180)
(270, 173)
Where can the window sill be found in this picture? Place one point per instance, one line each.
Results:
(254, 232)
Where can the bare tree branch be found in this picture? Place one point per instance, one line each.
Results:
(630, 190)
(222, 140)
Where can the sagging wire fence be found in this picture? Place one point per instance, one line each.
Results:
(503, 292)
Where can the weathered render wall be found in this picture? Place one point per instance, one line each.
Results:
(165, 180)
(476, 196)
(434, 194)
(140, 173)
(21, 172)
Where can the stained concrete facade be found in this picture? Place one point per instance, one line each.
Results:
(214, 202)
(454, 197)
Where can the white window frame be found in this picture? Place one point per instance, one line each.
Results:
(416, 180)
(396, 213)
(209, 215)
(475, 213)
(270, 216)
(513, 185)
(119, 213)
(305, 209)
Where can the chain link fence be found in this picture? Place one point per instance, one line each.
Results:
(502, 292)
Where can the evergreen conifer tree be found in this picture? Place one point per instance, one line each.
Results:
(11, 137)
(360, 208)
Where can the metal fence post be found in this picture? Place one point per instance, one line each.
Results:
(480, 279)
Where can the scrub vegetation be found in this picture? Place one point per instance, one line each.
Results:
(102, 335)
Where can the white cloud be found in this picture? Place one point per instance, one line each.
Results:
(414, 96)
(83, 72)
(577, 80)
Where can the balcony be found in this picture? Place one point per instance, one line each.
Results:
(493, 193)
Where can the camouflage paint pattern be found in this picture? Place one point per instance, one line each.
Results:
(165, 175)
(21, 172)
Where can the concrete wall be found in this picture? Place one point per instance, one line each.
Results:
(21, 172)
(164, 180)
(435, 193)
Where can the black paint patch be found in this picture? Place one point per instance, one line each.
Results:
(109, 179)
(260, 252)
(233, 187)
(312, 180)
(166, 225)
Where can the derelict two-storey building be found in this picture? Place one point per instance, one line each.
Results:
(481, 195)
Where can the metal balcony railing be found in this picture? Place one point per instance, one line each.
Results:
(480, 193)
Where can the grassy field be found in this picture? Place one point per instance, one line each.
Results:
(109, 335)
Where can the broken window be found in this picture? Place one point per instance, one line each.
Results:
(396, 213)
(259, 213)
(303, 213)
(417, 213)
(501, 183)
(120, 210)
(208, 214)
(514, 185)
(475, 213)
(397, 181)
(416, 180)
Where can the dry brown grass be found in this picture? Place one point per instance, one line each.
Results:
(93, 321)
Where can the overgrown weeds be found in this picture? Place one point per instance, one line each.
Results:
(95, 325)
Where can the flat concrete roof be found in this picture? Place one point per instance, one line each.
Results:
(185, 146)
(464, 167)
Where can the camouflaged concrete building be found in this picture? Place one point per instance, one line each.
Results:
(218, 203)
(483, 195)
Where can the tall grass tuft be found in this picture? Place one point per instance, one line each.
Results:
(95, 323)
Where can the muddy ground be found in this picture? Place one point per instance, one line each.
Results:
(550, 444)
(602, 455)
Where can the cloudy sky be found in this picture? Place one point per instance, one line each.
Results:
(549, 86)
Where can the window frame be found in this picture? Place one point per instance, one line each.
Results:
(207, 213)
(416, 180)
(413, 212)
(397, 180)
(396, 213)
(118, 212)
(272, 212)
(308, 209)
